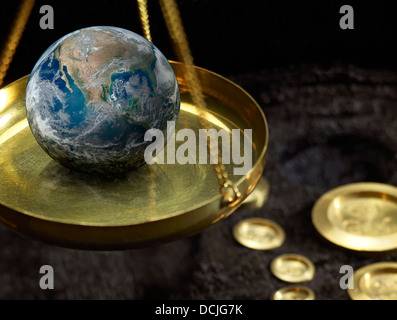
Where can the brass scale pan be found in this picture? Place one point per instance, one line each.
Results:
(154, 204)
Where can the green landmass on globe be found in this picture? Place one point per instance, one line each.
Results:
(94, 93)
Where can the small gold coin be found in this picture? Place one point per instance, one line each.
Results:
(358, 216)
(376, 281)
(293, 293)
(259, 234)
(292, 268)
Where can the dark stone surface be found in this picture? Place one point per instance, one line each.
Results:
(329, 125)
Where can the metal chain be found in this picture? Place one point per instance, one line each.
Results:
(14, 37)
(144, 17)
(175, 28)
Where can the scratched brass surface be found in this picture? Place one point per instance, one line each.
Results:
(359, 216)
(154, 204)
(376, 281)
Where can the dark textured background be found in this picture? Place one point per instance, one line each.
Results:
(330, 100)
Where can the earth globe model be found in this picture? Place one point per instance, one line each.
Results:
(94, 93)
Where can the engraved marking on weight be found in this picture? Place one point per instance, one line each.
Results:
(293, 268)
(383, 288)
(367, 219)
(258, 232)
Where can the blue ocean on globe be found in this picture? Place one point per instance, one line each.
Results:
(94, 93)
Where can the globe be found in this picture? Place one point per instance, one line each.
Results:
(94, 93)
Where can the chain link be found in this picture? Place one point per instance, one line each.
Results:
(14, 37)
(144, 17)
(175, 28)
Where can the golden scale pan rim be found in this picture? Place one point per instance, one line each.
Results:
(175, 200)
(359, 216)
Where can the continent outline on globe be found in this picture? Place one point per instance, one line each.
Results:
(94, 93)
